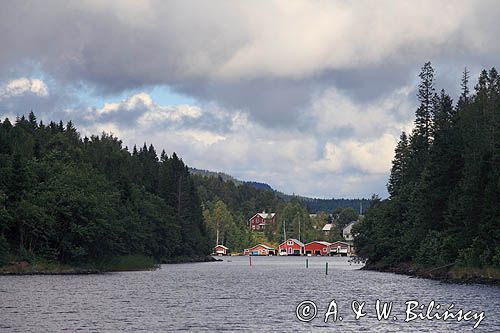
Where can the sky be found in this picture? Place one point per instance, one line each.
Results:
(307, 96)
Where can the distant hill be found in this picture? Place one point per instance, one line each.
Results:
(313, 204)
(261, 186)
(222, 175)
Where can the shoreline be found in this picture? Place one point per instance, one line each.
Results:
(188, 260)
(24, 268)
(448, 274)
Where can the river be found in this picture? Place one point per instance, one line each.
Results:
(233, 296)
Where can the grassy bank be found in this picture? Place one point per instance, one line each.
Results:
(449, 273)
(111, 264)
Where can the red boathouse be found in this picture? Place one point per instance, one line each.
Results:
(317, 248)
(292, 247)
(221, 250)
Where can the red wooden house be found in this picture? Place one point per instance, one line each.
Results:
(259, 221)
(292, 247)
(221, 250)
(341, 248)
(318, 248)
(260, 250)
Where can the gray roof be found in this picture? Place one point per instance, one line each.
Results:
(266, 216)
(327, 227)
(296, 241)
(263, 245)
(347, 228)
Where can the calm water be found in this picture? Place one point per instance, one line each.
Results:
(232, 296)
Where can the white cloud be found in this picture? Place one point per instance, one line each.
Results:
(140, 100)
(203, 137)
(23, 86)
(335, 111)
(158, 113)
(300, 38)
(320, 160)
(141, 109)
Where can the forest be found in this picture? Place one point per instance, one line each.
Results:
(227, 206)
(313, 205)
(77, 200)
(444, 186)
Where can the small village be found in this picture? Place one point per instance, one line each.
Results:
(293, 246)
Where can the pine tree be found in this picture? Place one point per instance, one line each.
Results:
(423, 121)
(464, 96)
(422, 133)
(32, 120)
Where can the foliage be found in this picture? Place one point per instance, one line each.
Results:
(346, 216)
(232, 230)
(314, 205)
(295, 221)
(4, 251)
(444, 186)
(74, 200)
(329, 205)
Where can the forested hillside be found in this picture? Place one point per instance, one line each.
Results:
(444, 205)
(77, 200)
(314, 205)
(227, 206)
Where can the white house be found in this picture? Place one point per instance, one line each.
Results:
(347, 231)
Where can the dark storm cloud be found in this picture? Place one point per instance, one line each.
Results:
(272, 102)
(242, 56)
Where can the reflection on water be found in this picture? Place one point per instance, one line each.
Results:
(231, 296)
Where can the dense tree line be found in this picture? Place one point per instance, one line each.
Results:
(315, 205)
(444, 204)
(242, 199)
(76, 200)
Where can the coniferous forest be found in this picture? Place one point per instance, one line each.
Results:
(444, 186)
(76, 201)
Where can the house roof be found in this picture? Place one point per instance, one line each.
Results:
(263, 245)
(340, 242)
(347, 228)
(264, 215)
(299, 243)
(320, 242)
(327, 227)
(221, 246)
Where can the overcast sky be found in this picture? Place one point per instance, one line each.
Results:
(307, 96)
